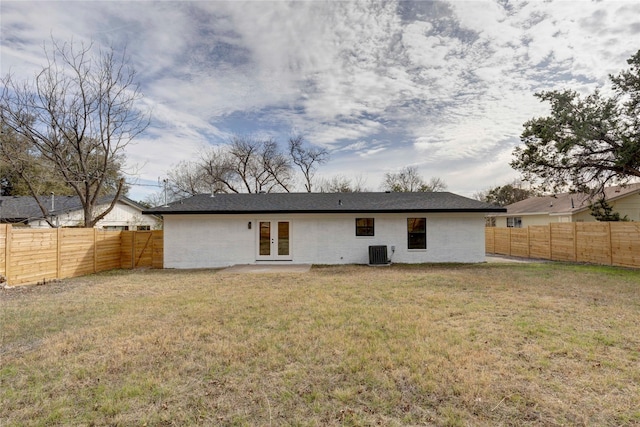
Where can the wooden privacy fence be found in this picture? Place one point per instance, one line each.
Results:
(30, 255)
(610, 243)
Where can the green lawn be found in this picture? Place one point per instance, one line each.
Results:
(527, 344)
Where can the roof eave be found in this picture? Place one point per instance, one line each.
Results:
(573, 212)
(317, 211)
(507, 213)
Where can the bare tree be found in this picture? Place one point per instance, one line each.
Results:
(246, 165)
(436, 184)
(154, 199)
(186, 179)
(409, 180)
(79, 114)
(342, 184)
(277, 165)
(259, 164)
(218, 172)
(213, 172)
(307, 159)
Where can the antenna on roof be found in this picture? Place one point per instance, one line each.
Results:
(166, 182)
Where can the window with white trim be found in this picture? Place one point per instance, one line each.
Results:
(514, 221)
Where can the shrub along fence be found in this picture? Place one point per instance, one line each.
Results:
(30, 255)
(609, 243)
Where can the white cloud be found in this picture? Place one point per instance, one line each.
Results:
(445, 86)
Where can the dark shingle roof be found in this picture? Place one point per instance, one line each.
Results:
(323, 203)
(25, 208)
(21, 208)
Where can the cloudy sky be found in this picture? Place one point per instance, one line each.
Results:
(442, 86)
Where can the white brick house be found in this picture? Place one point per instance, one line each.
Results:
(207, 231)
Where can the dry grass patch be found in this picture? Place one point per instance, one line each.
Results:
(538, 344)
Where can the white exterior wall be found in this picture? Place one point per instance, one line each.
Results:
(204, 241)
(121, 215)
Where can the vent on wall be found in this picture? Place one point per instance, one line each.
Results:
(378, 255)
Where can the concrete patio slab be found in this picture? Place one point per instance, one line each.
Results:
(267, 268)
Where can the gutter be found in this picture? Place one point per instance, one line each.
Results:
(316, 211)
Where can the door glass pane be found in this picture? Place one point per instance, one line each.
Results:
(265, 238)
(283, 238)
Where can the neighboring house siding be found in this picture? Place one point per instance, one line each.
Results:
(584, 216)
(567, 207)
(201, 241)
(121, 215)
(629, 206)
(527, 220)
(126, 215)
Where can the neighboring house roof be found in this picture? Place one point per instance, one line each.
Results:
(566, 203)
(25, 208)
(323, 203)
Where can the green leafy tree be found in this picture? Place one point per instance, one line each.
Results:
(601, 210)
(23, 171)
(587, 142)
(504, 195)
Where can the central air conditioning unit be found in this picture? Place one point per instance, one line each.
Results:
(378, 255)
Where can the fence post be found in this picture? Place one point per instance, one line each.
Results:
(95, 250)
(528, 241)
(575, 241)
(610, 245)
(59, 252)
(493, 235)
(550, 243)
(133, 250)
(7, 254)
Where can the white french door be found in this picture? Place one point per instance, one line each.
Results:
(274, 241)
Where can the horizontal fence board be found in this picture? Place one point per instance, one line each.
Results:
(489, 240)
(593, 243)
(519, 242)
(34, 255)
(539, 242)
(625, 250)
(48, 258)
(564, 245)
(502, 241)
(34, 265)
(609, 243)
(158, 249)
(34, 278)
